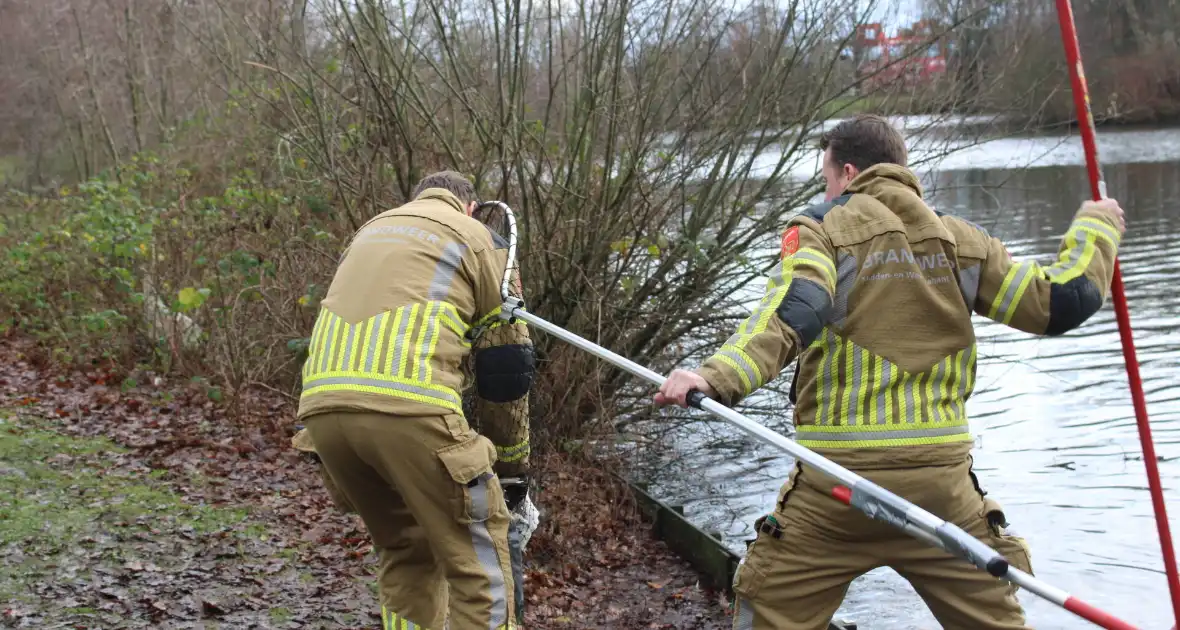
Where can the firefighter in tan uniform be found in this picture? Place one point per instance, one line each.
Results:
(381, 400)
(874, 296)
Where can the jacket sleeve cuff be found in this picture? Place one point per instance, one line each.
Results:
(1091, 214)
(723, 380)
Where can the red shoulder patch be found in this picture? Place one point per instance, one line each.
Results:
(790, 242)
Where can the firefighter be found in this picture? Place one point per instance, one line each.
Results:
(301, 441)
(874, 295)
(414, 289)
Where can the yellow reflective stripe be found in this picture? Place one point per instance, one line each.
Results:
(886, 435)
(328, 342)
(451, 318)
(950, 384)
(392, 345)
(384, 385)
(846, 417)
(965, 436)
(1074, 258)
(368, 327)
(516, 452)
(403, 340)
(422, 345)
(930, 403)
(760, 318)
(314, 342)
(999, 299)
(904, 394)
(741, 362)
(1099, 228)
(394, 621)
(823, 381)
(488, 322)
(1088, 250)
(1024, 282)
(882, 386)
(889, 394)
(859, 368)
(432, 344)
(746, 384)
(342, 346)
(818, 260)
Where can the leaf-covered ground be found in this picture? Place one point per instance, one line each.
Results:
(143, 503)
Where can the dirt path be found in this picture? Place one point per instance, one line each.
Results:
(138, 504)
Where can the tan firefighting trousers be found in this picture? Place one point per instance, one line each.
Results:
(435, 511)
(795, 576)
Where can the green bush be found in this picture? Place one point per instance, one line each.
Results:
(134, 266)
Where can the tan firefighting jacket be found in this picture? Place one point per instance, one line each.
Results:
(414, 289)
(874, 295)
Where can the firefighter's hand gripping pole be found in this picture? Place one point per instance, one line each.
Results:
(856, 491)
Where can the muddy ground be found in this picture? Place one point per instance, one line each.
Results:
(153, 503)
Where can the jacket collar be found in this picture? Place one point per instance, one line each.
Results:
(443, 195)
(880, 177)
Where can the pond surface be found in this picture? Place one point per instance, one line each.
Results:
(1056, 440)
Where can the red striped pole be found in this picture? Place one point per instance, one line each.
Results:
(1081, 99)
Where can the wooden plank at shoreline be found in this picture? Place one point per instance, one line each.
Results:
(715, 563)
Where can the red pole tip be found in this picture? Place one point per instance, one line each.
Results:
(1100, 617)
(843, 494)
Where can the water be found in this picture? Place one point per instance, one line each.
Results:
(1056, 440)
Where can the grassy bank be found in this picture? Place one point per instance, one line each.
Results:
(86, 531)
(91, 537)
(140, 502)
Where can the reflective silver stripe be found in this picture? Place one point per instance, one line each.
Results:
(908, 416)
(969, 285)
(928, 394)
(329, 346)
(846, 277)
(400, 342)
(456, 323)
(431, 321)
(380, 384)
(352, 328)
(775, 279)
(485, 550)
(966, 379)
(883, 409)
(375, 341)
(827, 388)
(824, 262)
(444, 272)
(745, 615)
(818, 434)
(1023, 270)
(857, 385)
(1102, 226)
(1075, 254)
(750, 370)
(312, 345)
(920, 413)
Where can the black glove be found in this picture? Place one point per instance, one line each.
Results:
(515, 490)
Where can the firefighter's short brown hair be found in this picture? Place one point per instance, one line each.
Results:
(863, 141)
(458, 185)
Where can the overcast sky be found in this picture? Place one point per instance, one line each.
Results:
(895, 13)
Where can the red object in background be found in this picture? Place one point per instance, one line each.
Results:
(882, 60)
